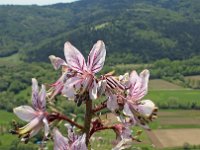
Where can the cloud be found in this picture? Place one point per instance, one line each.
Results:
(31, 2)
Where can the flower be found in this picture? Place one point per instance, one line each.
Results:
(57, 87)
(83, 83)
(113, 90)
(140, 111)
(63, 143)
(123, 144)
(124, 137)
(122, 131)
(36, 116)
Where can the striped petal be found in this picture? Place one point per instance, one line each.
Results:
(42, 98)
(79, 144)
(35, 93)
(74, 58)
(57, 62)
(96, 57)
(138, 85)
(60, 142)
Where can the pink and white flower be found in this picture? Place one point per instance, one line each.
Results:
(113, 90)
(63, 143)
(140, 111)
(57, 87)
(124, 136)
(36, 115)
(84, 82)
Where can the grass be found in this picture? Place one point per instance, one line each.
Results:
(13, 58)
(6, 141)
(186, 99)
(6, 117)
(179, 95)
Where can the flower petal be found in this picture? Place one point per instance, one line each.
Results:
(138, 84)
(25, 113)
(127, 110)
(46, 126)
(79, 144)
(124, 78)
(70, 133)
(31, 125)
(93, 90)
(146, 107)
(57, 62)
(112, 103)
(60, 142)
(101, 87)
(36, 130)
(74, 58)
(42, 97)
(35, 93)
(96, 57)
(123, 144)
(71, 86)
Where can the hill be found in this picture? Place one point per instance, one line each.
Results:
(139, 30)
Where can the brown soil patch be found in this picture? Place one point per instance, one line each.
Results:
(179, 121)
(179, 113)
(159, 84)
(174, 137)
(184, 117)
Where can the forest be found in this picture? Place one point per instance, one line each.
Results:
(141, 31)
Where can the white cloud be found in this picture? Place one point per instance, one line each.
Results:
(30, 2)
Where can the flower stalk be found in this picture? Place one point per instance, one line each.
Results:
(88, 118)
(63, 117)
(100, 107)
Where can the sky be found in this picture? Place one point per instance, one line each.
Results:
(31, 2)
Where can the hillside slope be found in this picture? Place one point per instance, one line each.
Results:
(139, 30)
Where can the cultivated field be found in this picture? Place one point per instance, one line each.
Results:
(175, 128)
(164, 138)
(159, 84)
(180, 124)
(196, 77)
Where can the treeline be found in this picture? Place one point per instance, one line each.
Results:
(172, 71)
(15, 79)
(163, 68)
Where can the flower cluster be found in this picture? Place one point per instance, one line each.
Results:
(78, 82)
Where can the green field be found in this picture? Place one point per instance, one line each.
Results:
(184, 99)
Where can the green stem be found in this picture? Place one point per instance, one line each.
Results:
(88, 118)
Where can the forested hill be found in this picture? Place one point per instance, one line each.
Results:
(135, 30)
